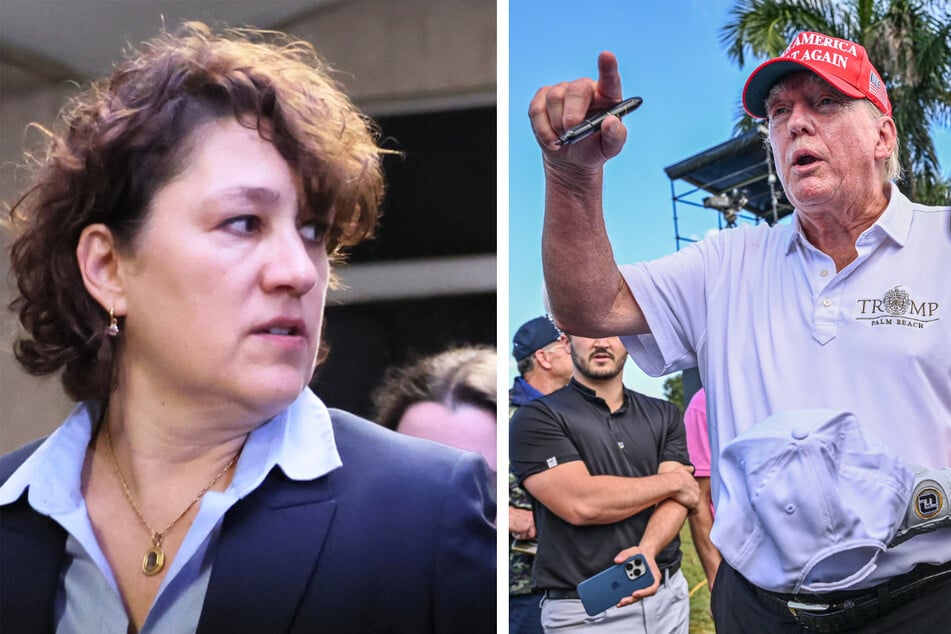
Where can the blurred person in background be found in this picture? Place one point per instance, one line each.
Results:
(449, 397)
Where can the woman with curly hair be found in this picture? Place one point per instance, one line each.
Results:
(172, 259)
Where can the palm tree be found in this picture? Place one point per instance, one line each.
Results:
(909, 42)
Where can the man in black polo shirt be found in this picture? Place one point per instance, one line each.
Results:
(609, 475)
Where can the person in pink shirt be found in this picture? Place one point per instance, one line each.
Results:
(698, 446)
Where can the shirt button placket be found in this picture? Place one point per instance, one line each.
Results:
(825, 325)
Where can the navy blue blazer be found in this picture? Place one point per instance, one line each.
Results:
(399, 539)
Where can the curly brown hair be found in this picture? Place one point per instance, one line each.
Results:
(463, 375)
(118, 142)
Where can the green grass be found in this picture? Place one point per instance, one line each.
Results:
(700, 621)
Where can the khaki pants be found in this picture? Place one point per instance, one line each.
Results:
(667, 612)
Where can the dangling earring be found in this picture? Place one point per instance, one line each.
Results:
(112, 329)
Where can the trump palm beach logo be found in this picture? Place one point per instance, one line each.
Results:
(898, 307)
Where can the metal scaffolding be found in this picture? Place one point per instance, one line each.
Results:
(735, 179)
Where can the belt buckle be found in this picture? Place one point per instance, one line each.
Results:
(796, 606)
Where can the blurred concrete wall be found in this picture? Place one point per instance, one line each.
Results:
(393, 57)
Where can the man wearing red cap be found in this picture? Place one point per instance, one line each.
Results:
(842, 309)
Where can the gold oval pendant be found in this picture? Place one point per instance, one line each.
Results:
(153, 562)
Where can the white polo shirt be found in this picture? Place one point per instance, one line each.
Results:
(772, 326)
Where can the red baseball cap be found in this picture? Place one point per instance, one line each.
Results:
(844, 64)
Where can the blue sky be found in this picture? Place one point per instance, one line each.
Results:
(670, 54)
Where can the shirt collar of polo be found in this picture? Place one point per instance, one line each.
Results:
(592, 396)
(895, 222)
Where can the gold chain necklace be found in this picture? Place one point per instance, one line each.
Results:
(154, 559)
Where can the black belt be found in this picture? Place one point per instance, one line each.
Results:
(556, 593)
(836, 611)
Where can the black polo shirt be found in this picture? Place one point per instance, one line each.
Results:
(575, 424)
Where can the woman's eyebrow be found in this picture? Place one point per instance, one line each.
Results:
(241, 193)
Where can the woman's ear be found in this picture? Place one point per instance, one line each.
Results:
(100, 267)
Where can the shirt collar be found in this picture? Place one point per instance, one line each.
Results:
(52, 472)
(895, 221)
(522, 392)
(300, 440)
(592, 396)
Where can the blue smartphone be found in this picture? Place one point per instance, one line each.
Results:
(605, 589)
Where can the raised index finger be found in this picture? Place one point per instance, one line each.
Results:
(609, 79)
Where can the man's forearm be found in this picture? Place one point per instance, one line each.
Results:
(710, 557)
(582, 499)
(700, 525)
(665, 523)
(586, 292)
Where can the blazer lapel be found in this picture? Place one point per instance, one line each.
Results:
(266, 555)
(31, 555)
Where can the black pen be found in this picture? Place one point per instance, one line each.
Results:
(593, 124)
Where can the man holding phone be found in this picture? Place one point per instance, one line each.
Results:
(608, 473)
